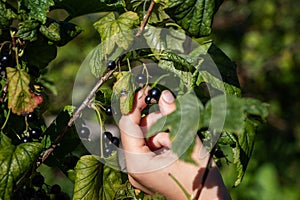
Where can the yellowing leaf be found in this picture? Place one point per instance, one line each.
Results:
(124, 89)
(20, 99)
(117, 30)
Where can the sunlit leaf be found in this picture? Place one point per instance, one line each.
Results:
(60, 32)
(160, 39)
(117, 30)
(28, 30)
(124, 89)
(194, 16)
(14, 162)
(20, 99)
(38, 9)
(94, 180)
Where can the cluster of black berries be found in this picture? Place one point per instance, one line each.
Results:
(153, 95)
(35, 132)
(110, 143)
(39, 190)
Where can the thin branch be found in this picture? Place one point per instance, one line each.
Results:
(75, 116)
(146, 18)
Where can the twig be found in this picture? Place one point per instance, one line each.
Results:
(205, 174)
(77, 113)
(146, 18)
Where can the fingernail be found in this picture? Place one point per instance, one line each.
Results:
(168, 96)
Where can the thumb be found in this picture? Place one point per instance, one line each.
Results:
(166, 103)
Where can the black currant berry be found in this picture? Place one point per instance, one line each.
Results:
(26, 139)
(108, 110)
(38, 180)
(107, 151)
(111, 65)
(35, 133)
(32, 117)
(219, 154)
(148, 99)
(84, 132)
(55, 189)
(141, 79)
(154, 93)
(4, 60)
(107, 136)
(115, 141)
(41, 194)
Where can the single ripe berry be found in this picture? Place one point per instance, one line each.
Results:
(32, 117)
(115, 141)
(4, 60)
(35, 132)
(107, 136)
(148, 99)
(108, 110)
(55, 189)
(84, 132)
(111, 65)
(26, 139)
(141, 79)
(154, 93)
(38, 180)
(219, 153)
(107, 151)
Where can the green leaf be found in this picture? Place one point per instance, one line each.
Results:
(6, 16)
(228, 113)
(15, 161)
(117, 30)
(243, 150)
(77, 8)
(183, 124)
(39, 53)
(98, 59)
(28, 30)
(185, 77)
(233, 115)
(20, 99)
(160, 39)
(38, 9)
(225, 66)
(124, 89)
(60, 32)
(194, 16)
(95, 180)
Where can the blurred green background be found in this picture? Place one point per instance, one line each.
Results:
(262, 38)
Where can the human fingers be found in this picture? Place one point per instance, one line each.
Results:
(166, 103)
(131, 134)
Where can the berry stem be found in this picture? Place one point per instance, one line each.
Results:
(6, 120)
